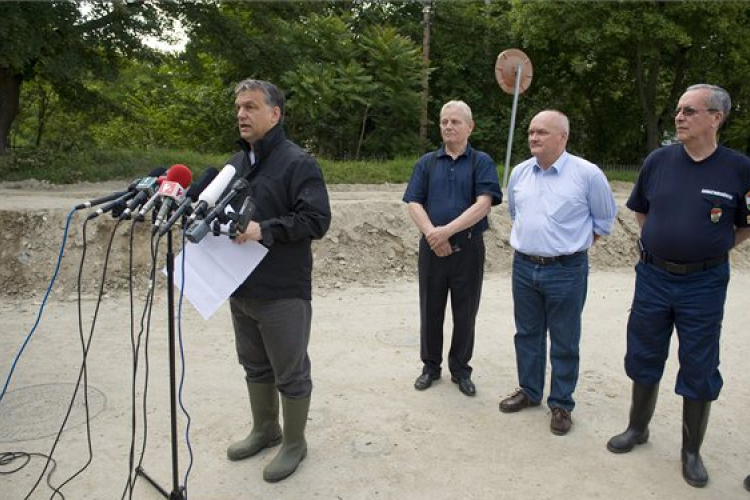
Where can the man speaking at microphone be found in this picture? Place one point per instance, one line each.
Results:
(271, 310)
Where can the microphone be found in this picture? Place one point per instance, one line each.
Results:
(197, 232)
(103, 199)
(117, 200)
(208, 197)
(178, 177)
(173, 194)
(192, 196)
(146, 187)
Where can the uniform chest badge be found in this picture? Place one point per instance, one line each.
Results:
(747, 200)
(715, 214)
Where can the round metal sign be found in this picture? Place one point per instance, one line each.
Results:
(505, 70)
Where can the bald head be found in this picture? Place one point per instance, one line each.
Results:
(548, 136)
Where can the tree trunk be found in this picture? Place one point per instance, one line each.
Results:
(42, 114)
(646, 83)
(10, 94)
(424, 119)
(362, 132)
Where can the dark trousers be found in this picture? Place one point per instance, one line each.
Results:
(271, 338)
(692, 304)
(461, 274)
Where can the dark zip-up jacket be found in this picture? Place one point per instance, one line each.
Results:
(292, 208)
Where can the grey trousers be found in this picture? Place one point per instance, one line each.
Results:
(271, 338)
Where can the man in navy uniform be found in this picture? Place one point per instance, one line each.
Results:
(691, 203)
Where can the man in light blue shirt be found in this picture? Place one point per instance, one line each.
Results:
(560, 205)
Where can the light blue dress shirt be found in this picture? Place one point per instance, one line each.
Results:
(557, 211)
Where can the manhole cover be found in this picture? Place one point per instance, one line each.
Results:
(37, 411)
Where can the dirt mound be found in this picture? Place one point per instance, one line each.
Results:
(371, 241)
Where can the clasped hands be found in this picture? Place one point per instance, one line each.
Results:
(438, 239)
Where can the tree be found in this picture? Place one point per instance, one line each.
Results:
(350, 84)
(61, 44)
(621, 66)
(466, 40)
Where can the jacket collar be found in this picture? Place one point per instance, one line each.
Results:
(266, 144)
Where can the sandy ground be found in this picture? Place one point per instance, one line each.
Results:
(370, 434)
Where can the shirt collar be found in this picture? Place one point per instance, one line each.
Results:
(557, 165)
(467, 151)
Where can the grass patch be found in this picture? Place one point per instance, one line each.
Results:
(96, 165)
(104, 165)
(367, 172)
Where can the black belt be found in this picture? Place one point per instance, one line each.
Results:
(546, 261)
(682, 268)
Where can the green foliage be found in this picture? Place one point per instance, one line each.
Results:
(618, 68)
(352, 72)
(466, 39)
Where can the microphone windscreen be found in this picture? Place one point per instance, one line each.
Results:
(202, 183)
(180, 174)
(220, 183)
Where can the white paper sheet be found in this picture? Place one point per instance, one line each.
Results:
(214, 268)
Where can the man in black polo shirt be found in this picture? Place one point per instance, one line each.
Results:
(691, 202)
(450, 194)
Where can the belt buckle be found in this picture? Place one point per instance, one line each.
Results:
(542, 261)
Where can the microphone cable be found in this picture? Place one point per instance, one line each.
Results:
(136, 349)
(182, 362)
(83, 371)
(7, 458)
(41, 307)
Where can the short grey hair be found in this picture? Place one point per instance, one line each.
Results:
(461, 105)
(273, 96)
(718, 98)
(563, 118)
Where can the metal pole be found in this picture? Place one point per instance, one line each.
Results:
(506, 170)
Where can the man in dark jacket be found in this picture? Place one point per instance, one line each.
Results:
(271, 310)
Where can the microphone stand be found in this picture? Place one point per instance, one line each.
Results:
(177, 490)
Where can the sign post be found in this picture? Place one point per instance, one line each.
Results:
(513, 72)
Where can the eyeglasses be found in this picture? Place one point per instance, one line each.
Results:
(690, 111)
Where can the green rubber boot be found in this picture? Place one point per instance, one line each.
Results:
(293, 447)
(266, 432)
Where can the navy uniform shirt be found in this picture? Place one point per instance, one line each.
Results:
(691, 207)
(445, 189)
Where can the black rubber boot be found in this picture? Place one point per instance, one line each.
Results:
(694, 423)
(641, 411)
(266, 432)
(747, 483)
